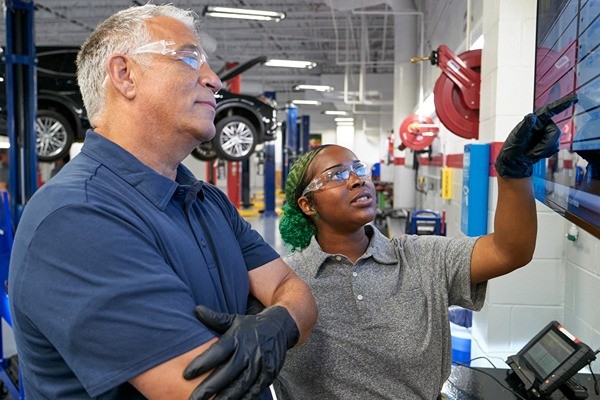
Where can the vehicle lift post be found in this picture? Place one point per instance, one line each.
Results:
(304, 134)
(269, 173)
(233, 167)
(21, 104)
(21, 110)
(291, 141)
(269, 181)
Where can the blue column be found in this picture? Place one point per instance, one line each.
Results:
(21, 107)
(292, 142)
(305, 134)
(476, 164)
(269, 149)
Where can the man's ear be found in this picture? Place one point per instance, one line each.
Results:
(306, 206)
(121, 75)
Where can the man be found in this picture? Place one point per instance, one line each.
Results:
(112, 255)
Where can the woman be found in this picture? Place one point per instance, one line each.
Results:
(383, 330)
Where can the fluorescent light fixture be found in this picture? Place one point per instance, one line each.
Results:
(345, 123)
(318, 88)
(307, 102)
(477, 44)
(342, 119)
(290, 63)
(242, 13)
(335, 112)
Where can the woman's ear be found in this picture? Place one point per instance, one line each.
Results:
(306, 206)
(121, 75)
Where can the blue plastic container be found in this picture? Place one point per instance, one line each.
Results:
(461, 344)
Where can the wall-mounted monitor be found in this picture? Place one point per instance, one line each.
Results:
(567, 61)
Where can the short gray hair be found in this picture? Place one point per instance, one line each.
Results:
(120, 33)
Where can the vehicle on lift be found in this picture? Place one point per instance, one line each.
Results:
(61, 117)
(242, 121)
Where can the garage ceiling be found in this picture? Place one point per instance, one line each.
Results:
(339, 35)
(328, 32)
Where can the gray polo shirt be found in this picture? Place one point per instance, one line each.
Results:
(383, 329)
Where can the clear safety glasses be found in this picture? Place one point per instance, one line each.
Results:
(337, 177)
(193, 58)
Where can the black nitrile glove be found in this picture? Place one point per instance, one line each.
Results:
(534, 138)
(248, 355)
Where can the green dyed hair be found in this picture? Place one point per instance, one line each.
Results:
(295, 227)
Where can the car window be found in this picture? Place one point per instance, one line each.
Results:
(70, 65)
(58, 62)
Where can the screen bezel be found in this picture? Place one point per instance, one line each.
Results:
(585, 218)
(564, 338)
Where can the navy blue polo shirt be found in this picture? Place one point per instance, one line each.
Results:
(109, 260)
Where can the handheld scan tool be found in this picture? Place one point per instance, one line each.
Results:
(550, 359)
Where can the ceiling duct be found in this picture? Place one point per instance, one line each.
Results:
(348, 5)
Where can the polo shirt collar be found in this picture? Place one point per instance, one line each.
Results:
(380, 248)
(157, 188)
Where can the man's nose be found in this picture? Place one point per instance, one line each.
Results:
(209, 79)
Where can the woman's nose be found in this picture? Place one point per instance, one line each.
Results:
(355, 180)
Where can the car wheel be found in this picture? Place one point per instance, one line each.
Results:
(236, 138)
(54, 135)
(205, 152)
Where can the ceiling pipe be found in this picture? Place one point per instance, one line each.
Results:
(364, 48)
(337, 49)
(363, 62)
(468, 33)
(385, 18)
(419, 14)
(355, 111)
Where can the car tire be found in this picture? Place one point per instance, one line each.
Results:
(205, 152)
(54, 135)
(236, 138)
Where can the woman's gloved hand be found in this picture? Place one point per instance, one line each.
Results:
(534, 138)
(248, 355)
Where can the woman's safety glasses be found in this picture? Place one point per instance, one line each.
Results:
(337, 177)
(195, 58)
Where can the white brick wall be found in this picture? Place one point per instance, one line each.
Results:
(563, 280)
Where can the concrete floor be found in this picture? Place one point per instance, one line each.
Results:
(268, 227)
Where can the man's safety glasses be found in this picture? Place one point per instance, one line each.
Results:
(337, 177)
(194, 58)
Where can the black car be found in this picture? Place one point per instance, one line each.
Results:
(242, 121)
(61, 117)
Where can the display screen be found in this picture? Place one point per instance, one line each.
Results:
(567, 61)
(547, 354)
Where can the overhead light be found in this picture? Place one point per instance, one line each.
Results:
(342, 119)
(335, 112)
(307, 102)
(318, 88)
(290, 63)
(242, 13)
(345, 124)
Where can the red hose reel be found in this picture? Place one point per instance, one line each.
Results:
(456, 91)
(417, 132)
